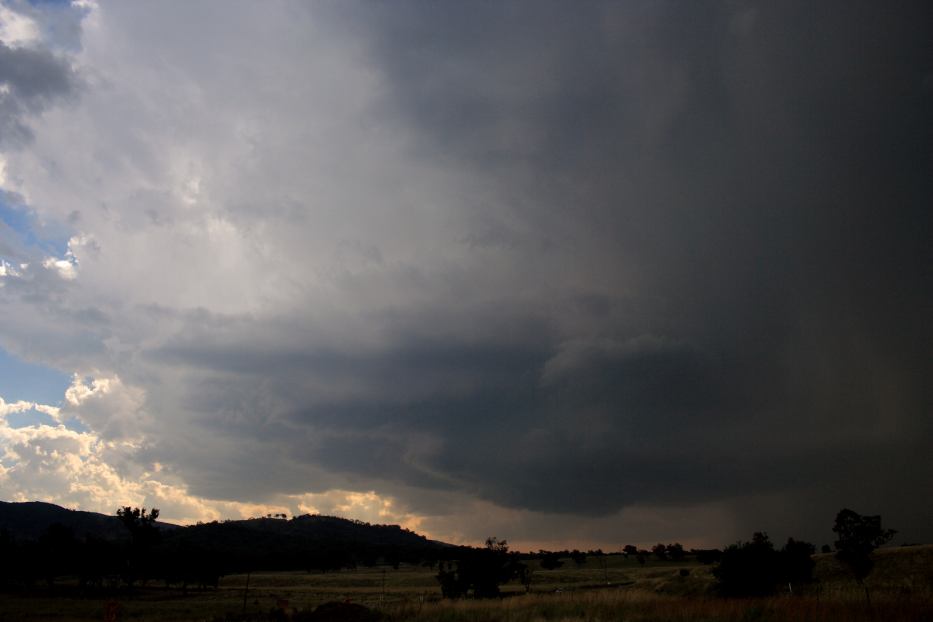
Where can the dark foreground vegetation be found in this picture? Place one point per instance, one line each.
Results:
(325, 568)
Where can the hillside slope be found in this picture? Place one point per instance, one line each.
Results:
(305, 542)
(29, 520)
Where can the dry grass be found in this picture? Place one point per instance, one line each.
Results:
(634, 605)
(901, 585)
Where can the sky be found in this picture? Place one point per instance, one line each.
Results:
(569, 274)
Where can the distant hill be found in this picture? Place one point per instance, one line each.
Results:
(28, 521)
(305, 542)
(309, 527)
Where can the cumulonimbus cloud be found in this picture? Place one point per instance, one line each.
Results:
(419, 252)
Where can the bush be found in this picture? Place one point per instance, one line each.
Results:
(748, 568)
(551, 561)
(481, 571)
(755, 568)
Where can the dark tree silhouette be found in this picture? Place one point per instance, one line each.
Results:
(755, 568)
(797, 562)
(141, 525)
(629, 549)
(550, 561)
(675, 551)
(748, 568)
(660, 551)
(481, 571)
(858, 537)
(144, 536)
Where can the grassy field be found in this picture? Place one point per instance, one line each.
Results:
(609, 588)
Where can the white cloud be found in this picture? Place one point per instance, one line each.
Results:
(70, 468)
(21, 406)
(16, 29)
(108, 406)
(83, 470)
(64, 268)
(368, 506)
(14, 407)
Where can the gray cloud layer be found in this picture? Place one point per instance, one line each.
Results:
(32, 79)
(567, 260)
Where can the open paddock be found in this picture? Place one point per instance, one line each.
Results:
(607, 588)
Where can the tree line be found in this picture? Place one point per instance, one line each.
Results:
(752, 568)
(757, 568)
(104, 564)
(199, 557)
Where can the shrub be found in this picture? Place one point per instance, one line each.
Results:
(748, 568)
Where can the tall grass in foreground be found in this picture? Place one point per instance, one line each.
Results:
(637, 606)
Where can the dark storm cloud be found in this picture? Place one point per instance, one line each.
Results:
(759, 173)
(569, 259)
(32, 79)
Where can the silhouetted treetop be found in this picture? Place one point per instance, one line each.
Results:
(858, 537)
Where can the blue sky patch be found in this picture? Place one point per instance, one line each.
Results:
(31, 417)
(33, 383)
(49, 238)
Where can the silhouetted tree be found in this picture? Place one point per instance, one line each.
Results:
(144, 535)
(858, 537)
(492, 567)
(452, 584)
(748, 568)
(524, 573)
(481, 570)
(660, 551)
(140, 524)
(826, 549)
(796, 562)
(550, 561)
(578, 557)
(675, 551)
(629, 549)
(755, 568)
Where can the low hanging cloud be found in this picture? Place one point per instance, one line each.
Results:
(556, 271)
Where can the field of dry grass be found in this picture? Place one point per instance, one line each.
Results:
(635, 605)
(611, 588)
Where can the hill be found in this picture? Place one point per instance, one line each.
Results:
(303, 542)
(28, 521)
